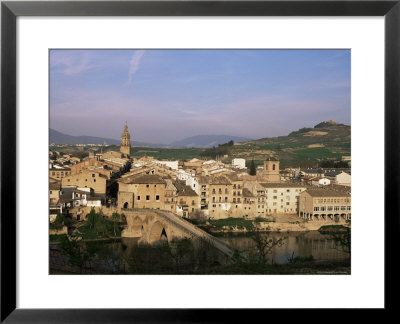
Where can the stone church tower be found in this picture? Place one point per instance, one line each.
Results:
(125, 142)
(271, 170)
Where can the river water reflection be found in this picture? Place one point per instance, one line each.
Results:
(131, 257)
(296, 244)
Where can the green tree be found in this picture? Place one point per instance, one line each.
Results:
(253, 170)
(115, 217)
(265, 245)
(77, 253)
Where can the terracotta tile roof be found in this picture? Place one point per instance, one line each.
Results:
(326, 193)
(55, 185)
(143, 179)
(247, 193)
(283, 185)
(184, 190)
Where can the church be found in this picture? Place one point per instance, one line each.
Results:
(125, 142)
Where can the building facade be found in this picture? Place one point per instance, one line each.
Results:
(323, 203)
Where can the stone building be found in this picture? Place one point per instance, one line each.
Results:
(142, 191)
(221, 196)
(125, 142)
(275, 198)
(54, 191)
(323, 203)
(59, 173)
(87, 179)
(187, 200)
(249, 204)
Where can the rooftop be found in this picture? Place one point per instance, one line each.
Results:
(283, 185)
(326, 193)
(143, 179)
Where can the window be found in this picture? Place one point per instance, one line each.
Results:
(316, 208)
(226, 199)
(147, 197)
(343, 208)
(192, 202)
(348, 207)
(330, 207)
(275, 197)
(220, 191)
(138, 197)
(94, 180)
(287, 204)
(213, 191)
(273, 167)
(93, 175)
(51, 192)
(234, 200)
(336, 208)
(226, 190)
(323, 208)
(147, 186)
(157, 197)
(69, 180)
(53, 173)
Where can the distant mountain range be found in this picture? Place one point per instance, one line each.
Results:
(199, 141)
(60, 138)
(207, 141)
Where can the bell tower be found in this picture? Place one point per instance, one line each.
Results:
(271, 170)
(125, 142)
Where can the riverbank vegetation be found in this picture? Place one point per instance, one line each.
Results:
(97, 226)
(231, 224)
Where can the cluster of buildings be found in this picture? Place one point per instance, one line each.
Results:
(197, 188)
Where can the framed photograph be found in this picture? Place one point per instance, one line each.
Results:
(179, 154)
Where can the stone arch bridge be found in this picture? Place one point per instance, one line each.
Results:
(153, 225)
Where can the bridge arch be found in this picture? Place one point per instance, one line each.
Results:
(158, 233)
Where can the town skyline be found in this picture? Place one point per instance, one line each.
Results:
(245, 93)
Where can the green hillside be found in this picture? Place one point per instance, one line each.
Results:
(327, 140)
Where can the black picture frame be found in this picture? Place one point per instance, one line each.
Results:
(10, 10)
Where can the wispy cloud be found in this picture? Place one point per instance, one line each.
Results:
(70, 64)
(134, 64)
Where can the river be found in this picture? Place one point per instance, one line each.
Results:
(128, 256)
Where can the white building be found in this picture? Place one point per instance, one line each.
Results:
(343, 179)
(321, 182)
(275, 198)
(239, 163)
(170, 164)
(192, 182)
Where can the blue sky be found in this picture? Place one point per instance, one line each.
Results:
(167, 95)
